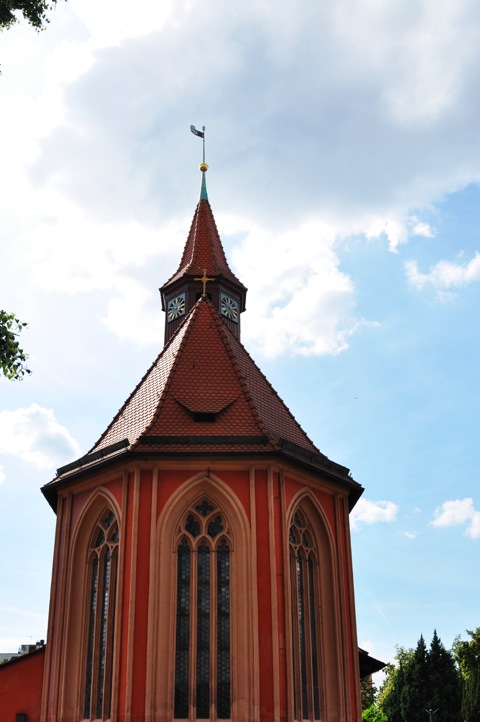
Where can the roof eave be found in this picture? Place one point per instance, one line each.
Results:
(82, 466)
(123, 451)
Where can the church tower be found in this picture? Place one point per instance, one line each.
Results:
(202, 565)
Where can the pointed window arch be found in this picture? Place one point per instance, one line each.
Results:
(101, 600)
(203, 615)
(306, 623)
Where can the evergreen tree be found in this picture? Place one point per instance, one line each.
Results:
(389, 697)
(414, 695)
(443, 683)
(423, 680)
(468, 657)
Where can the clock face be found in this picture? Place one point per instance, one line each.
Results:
(229, 307)
(176, 307)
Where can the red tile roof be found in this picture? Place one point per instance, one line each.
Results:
(203, 249)
(204, 390)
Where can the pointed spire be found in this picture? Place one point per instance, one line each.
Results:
(203, 191)
(203, 258)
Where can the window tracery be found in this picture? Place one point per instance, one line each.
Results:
(304, 579)
(203, 617)
(102, 562)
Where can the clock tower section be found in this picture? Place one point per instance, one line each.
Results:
(203, 271)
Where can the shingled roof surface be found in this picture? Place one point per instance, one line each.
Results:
(204, 392)
(203, 249)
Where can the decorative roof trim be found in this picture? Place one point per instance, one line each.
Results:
(205, 440)
(291, 449)
(95, 456)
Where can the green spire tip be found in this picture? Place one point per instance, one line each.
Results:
(203, 191)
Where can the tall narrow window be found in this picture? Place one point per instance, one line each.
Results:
(202, 647)
(102, 560)
(305, 620)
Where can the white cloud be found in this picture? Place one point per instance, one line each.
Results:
(420, 228)
(340, 136)
(456, 513)
(305, 304)
(409, 535)
(2, 474)
(445, 274)
(98, 150)
(114, 21)
(371, 512)
(134, 314)
(397, 229)
(352, 109)
(34, 435)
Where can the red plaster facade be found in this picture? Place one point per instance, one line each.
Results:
(21, 686)
(258, 499)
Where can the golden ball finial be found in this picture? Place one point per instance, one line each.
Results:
(203, 167)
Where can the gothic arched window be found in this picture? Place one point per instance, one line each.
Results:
(305, 619)
(202, 644)
(102, 562)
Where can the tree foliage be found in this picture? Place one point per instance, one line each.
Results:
(34, 11)
(391, 692)
(468, 657)
(12, 357)
(373, 714)
(414, 695)
(422, 679)
(445, 683)
(367, 692)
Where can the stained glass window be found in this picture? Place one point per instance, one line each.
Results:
(203, 616)
(305, 619)
(102, 562)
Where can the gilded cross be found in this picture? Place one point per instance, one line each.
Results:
(204, 279)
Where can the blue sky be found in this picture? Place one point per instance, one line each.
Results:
(344, 151)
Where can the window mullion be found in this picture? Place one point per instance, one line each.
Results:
(297, 685)
(193, 637)
(110, 628)
(90, 651)
(96, 643)
(305, 620)
(223, 700)
(307, 638)
(313, 610)
(213, 635)
(204, 613)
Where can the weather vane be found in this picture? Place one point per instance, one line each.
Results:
(201, 134)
